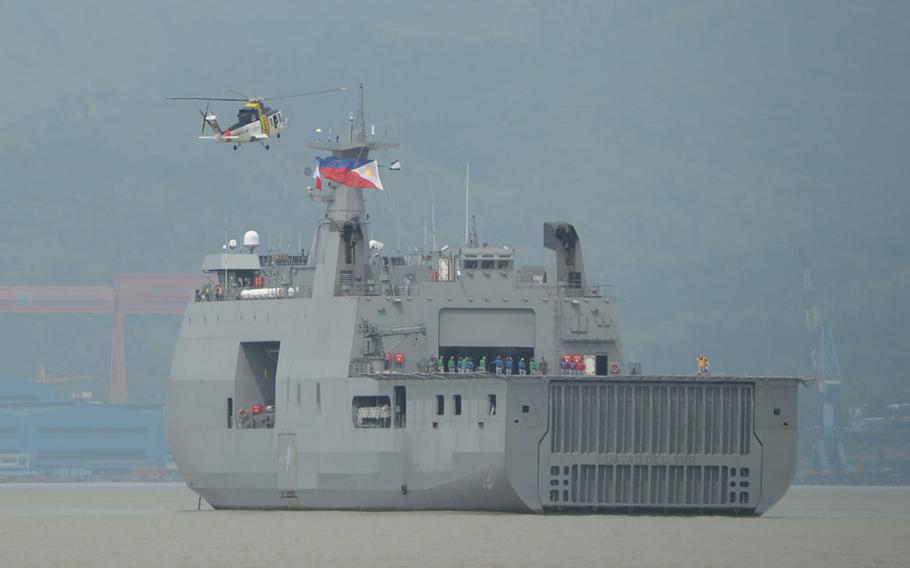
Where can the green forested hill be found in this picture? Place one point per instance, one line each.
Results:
(695, 144)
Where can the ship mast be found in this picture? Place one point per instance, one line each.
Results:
(340, 238)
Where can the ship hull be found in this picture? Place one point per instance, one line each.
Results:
(624, 444)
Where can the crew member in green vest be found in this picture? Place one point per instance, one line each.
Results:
(482, 364)
(532, 366)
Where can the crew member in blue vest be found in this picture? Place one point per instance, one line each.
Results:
(497, 363)
(459, 365)
(522, 367)
(469, 365)
(509, 365)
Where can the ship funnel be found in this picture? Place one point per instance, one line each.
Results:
(562, 238)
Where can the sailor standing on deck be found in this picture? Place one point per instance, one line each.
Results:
(702, 364)
(498, 364)
(482, 364)
(459, 365)
(469, 365)
(522, 366)
(509, 365)
(451, 365)
(543, 366)
(440, 364)
(532, 366)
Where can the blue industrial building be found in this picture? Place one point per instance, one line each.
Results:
(39, 434)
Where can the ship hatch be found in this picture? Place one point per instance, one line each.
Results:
(254, 384)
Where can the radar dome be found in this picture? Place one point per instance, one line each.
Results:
(251, 239)
(232, 244)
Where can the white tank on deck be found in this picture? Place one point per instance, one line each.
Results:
(263, 293)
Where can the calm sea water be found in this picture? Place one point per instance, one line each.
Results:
(158, 525)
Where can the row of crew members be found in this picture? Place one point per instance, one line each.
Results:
(573, 365)
(500, 365)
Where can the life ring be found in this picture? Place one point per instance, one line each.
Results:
(615, 368)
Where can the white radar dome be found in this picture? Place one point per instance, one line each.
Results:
(251, 239)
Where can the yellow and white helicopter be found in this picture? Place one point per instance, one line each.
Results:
(255, 121)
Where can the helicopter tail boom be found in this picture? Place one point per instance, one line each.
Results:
(210, 119)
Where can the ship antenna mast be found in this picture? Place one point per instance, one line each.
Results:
(467, 193)
(361, 121)
(433, 211)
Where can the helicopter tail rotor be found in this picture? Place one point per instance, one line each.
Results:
(210, 119)
(205, 115)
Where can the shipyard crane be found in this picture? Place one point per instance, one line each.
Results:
(828, 454)
(131, 293)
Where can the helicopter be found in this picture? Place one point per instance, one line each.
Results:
(255, 121)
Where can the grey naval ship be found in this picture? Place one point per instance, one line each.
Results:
(313, 381)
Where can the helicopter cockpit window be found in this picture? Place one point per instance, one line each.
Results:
(246, 116)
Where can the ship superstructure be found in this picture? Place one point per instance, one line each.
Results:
(312, 381)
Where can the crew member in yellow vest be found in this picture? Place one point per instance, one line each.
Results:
(702, 365)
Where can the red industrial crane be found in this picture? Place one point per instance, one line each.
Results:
(46, 380)
(132, 293)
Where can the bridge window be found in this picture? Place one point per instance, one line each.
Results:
(440, 405)
(457, 400)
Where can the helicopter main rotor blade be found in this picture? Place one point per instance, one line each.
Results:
(203, 99)
(307, 94)
(245, 97)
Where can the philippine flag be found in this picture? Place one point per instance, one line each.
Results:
(351, 172)
(317, 177)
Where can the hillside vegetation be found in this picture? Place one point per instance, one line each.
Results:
(695, 144)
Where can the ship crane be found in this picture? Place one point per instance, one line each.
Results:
(828, 454)
(374, 334)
